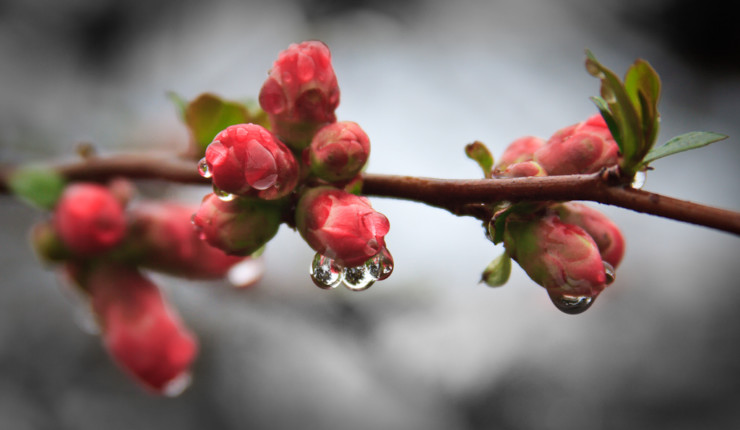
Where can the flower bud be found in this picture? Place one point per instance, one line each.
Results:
(89, 219)
(523, 169)
(604, 232)
(140, 331)
(561, 257)
(246, 159)
(340, 225)
(519, 151)
(238, 227)
(338, 151)
(169, 242)
(300, 93)
(585, 147)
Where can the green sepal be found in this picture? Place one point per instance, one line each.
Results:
(498, 271)
(497, 224)
(684, 142)
(479, 153)
(40, 187)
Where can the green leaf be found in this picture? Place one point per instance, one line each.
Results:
(643, 87)
(208, 114)
(498, 271)
(180, 103)
(38, 186)
(497, 224)
(479, 153)
(684, 142)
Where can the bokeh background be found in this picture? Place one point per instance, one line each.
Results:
(429, 348)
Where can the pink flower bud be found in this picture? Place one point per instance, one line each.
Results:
(585, 147)
(604, 232)
(561, 257)
(238, 227)
(89, 219)
(519, 151)
(169, 242)
(140, 331)
(338, 151)
(300, 93)
(246, 159)
(340, 225)
(523, 169)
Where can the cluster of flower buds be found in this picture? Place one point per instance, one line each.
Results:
(301, 172)
(101, 245)
(570, 249)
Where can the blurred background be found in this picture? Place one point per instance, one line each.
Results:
(429, 348)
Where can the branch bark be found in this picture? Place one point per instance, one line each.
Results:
(461, 197)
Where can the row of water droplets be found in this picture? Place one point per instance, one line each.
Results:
(573, 305)
(327, 273)
(206, 173)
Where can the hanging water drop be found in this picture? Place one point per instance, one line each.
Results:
(381, 266)
(358, 278)
(223, 195)
(611, 274)
(178, 385)
(203, 168)
(246, 272)
(325, 272)
(639, 180)
(571, 305)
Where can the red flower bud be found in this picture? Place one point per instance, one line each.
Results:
(561, 257)
(240, 226)
(604, 232)
(340, 225)
(89, 219)
(519, 151)
(338, 151)
(246, 159)
(301, 92)
(585, 147)
(523, 169)
(140, 331)
(170, 244)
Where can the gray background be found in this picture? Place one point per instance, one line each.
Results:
(429, 348)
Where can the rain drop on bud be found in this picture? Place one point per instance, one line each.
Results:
(325, 272)
(571, 305)
(639, 180)
(223, 195)
(177, 385)
(381, 266)
(611, 274)
(358, 278)
(203, 168)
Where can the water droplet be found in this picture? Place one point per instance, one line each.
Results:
(325, 272)
(203, 168)
(223, 195)
(611, 274)
(246, 272)
(358, 278)
(177, 385)
(381, 266)
(571, 305)
(639, 181)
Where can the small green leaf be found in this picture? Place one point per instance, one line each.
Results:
(497, 224)
(479, 153)
(643, 87)
(37, 186)
(684, 142)
(498, 271)
(208, 114)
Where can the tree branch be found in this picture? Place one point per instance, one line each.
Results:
(461, 197)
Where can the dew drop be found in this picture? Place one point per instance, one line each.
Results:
(178, 385)
(571, 305)
(639, 181)
(381, 266)
(246, 272)
(358, 278)
(611, 274)
(203, 168)
(223, 195)
(325, 272)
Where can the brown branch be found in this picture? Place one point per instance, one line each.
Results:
(461, 197)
